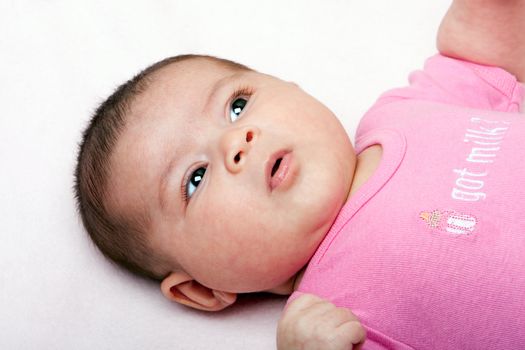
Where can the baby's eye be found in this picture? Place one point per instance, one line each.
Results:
(193, 181)
(236, 108)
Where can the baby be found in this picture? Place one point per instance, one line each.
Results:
(217, 180)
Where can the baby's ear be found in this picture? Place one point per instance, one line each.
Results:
(183, 289)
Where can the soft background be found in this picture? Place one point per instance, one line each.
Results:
(59, 59)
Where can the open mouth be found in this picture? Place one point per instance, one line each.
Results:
(278, 169)
(276, 166)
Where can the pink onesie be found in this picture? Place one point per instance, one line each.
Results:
(430, 252)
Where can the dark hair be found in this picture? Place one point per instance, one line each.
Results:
(120, 237)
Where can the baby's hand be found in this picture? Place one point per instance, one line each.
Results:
(311, 323)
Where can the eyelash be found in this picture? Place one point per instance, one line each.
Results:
(241, 91)
(183, 190)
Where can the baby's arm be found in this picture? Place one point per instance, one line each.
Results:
(488, 32)
(312, 323)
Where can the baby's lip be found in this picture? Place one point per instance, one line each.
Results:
(276, 168)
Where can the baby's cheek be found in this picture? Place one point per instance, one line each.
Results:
(219, 229)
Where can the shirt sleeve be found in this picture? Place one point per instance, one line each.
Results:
(452, 81)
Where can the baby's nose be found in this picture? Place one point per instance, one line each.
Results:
(236, 144)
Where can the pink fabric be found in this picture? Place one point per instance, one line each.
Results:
(430, 252)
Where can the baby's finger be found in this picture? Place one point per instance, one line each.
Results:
(343, 315)
(304, 302)
(317, 318)
(352, 332)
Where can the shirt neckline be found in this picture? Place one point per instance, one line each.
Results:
(393, 150)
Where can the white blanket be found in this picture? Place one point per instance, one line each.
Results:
(59, 59)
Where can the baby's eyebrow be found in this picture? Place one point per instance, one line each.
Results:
(163, 181)
(217, 86)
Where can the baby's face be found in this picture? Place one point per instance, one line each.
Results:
(241, 187)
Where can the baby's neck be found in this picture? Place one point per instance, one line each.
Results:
(367, 162)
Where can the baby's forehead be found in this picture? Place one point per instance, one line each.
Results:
(180, 80)
(197, 75)
(185, 86)
(192, 79)
(196, 69)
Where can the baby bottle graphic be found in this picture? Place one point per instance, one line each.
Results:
(449, 221)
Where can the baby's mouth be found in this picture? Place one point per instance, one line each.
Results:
(276, 166)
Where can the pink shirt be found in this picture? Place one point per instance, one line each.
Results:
(430, 252)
